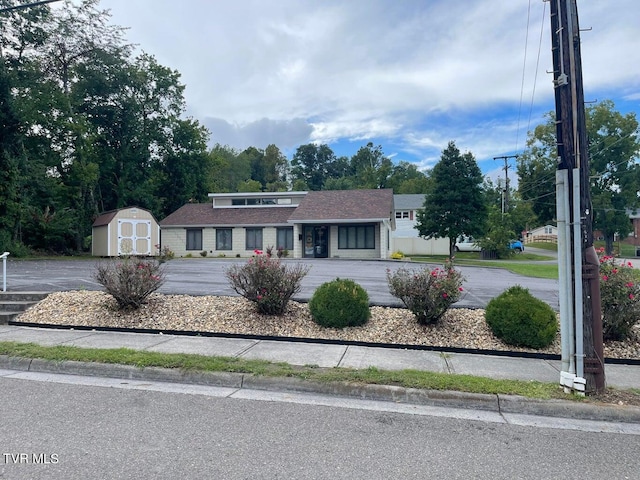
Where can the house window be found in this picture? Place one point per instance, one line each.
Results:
(284, 238)
(253, 239)
(402, 214)
(223, 239)
(194, 239)
(357, 237)
(548, 230)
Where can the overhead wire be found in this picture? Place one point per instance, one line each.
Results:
(524, 71)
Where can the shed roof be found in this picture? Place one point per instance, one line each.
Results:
(106, 217)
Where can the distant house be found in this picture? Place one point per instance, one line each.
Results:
(315, 224)
(405, 236)
(126, 231)
(546, 233)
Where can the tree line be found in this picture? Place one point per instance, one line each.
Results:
(460, 201)
(87, 126)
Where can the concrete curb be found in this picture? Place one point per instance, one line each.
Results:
(504, 404)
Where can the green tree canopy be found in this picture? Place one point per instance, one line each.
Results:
(454, 203)
(615, 174)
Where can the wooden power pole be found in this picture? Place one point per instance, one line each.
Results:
(583, 362)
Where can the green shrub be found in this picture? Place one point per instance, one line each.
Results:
(267, 282)
(619, 298)
(426, 293)
(203, 253)
(518, 318)
(164, 254)
(130, 280)
(340, 303)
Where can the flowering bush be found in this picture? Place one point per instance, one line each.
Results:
(619, 296)
(426, 293)
(130, 280)
(267, 282)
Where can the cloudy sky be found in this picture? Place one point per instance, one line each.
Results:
(408, 75)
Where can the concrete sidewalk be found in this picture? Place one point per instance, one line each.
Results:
(317, 354)
(325, 355)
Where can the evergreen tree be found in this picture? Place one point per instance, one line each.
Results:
(454, 203)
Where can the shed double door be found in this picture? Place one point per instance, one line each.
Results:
(134, 237)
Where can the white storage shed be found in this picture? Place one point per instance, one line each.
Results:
(126, 231)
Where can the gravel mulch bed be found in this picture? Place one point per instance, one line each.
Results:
(459, 328)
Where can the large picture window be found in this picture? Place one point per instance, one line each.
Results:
(194, 239)
(357, 237)
(253, 239)
(284, 238)
(223, 239)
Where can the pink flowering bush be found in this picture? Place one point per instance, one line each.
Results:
(426, 293)
(619, 296)
(130, 280)
(267, 282)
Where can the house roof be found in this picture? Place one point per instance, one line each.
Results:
(344, 205)
(409, 201)
(203, 214)
(106, 217)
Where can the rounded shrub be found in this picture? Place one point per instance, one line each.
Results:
(518, 318)
(340, 303)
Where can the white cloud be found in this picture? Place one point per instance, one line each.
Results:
(414, 74)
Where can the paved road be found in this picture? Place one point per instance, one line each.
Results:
(206, 277)
(126, 431)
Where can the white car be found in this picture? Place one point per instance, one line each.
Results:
(466, 243)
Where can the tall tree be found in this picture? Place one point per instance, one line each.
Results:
(536, 171)
(614, 147)
(370, 167)
(276, 169)
(310, 165)
(10, 152)
(454, 204)
(615, 174)
(406, 178)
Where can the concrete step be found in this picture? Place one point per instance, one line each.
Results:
(6, 317)
(13, 304)
(22, 296)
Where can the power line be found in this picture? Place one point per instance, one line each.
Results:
(26, 5)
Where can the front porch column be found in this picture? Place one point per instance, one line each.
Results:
(297, 243)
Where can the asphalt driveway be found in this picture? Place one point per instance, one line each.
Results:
(205, 276)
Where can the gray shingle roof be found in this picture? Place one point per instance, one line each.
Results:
(413, 201)
(344, 205)
(203, 214)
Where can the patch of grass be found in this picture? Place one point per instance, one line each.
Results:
(553, 247)
(523, 264)
(539, 270)
(189, 362)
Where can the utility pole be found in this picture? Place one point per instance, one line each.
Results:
(505, 204)
(580, 313)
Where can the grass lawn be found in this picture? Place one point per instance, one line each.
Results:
(190, 362)
(527, 264)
